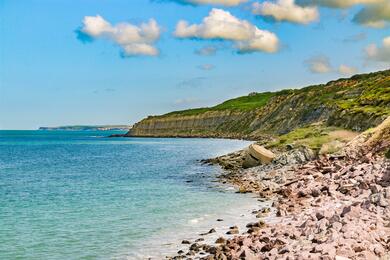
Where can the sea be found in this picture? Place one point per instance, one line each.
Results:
(82, 195)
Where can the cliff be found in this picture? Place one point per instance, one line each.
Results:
(356, 103)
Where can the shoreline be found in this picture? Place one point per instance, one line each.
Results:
(205, 228)
(321, 207)
(184, 137)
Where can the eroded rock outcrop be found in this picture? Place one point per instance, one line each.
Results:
(358, 103)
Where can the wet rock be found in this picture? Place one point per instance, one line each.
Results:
(220, 240)
(186, 242)
(253, 230)
(194, 247)
(233, 230)
(211, 231)
(242, 189)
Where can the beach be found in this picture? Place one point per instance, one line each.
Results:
(334, 207)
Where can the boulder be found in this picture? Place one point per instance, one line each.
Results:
(261, 154)
(249, 160)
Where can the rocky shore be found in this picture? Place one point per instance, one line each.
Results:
(332, 207)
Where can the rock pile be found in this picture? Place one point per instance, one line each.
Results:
(334, 208)
(330, 208)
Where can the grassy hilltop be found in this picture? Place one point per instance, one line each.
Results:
(361, 93)
(356, 103)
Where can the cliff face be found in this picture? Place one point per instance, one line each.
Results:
(208, 124)
(358, 103)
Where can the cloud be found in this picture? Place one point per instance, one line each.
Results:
(356, 37)
(319, 64)
(379, 53)
(337, 3)
(206, 67)
(212, 2)
(207, 51)
(377, 15)
(286, 10)
(221, 25)
(134, 40)
(347, 70)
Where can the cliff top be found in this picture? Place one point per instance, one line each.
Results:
(373, 89)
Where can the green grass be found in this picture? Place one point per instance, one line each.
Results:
(346, 100)
(312, 136)
(247, 102)
(244, 103)
(374, 98)
(367, 93)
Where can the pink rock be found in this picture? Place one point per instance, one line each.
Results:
(358, 248)
(322, 225)
(367, 255)
(375, 188)
(337, 226)
(387, 192)
(338, 257)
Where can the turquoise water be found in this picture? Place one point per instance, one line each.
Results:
(79, 195)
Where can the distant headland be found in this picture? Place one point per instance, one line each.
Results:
(87, 128)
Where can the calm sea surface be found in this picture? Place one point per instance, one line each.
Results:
(79, 195)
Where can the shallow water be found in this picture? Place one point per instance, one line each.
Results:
(73, 195)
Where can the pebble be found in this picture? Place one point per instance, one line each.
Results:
(334, 208)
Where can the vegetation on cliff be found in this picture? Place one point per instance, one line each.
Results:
(245, 103)
(314, 136)
(356, 103)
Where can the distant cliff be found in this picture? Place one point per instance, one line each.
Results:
(357, 103)
(88, 128)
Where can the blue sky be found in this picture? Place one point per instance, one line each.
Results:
(49, 77)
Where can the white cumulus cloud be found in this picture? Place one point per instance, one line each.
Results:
(134, 40)
(220, 24)
(207, 51)
(347, 70)
(286, 10)
(319, 64)
(379, 53)
(376, 15)
(215, 2)
(338, 3)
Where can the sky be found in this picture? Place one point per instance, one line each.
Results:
(117, 61)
